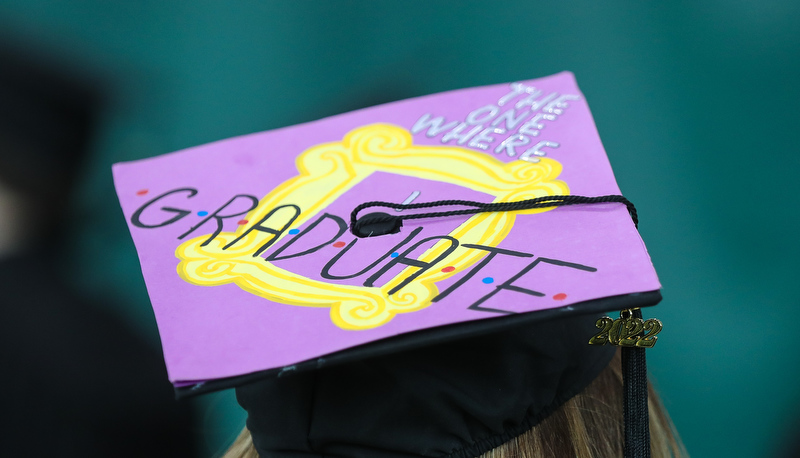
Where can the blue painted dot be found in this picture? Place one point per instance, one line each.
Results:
(488, 280)
(294, 231)
(202, 213)
(395, 254)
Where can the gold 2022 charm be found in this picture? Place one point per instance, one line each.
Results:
(627, 331)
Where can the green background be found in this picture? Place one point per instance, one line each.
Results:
(696, 103)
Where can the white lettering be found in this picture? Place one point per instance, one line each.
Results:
(558, 105)
(508, 117)
(472, 117)
(511, 142)
(536, 150)
(517, 89)
(485, 137)
(456, 134)
(531, 101)
(533, 126)
(434, 125)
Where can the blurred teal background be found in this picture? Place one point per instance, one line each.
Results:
(696, 103)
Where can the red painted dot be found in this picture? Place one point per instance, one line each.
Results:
(142, 192)
(339, 244)
(448, 269)
(560, 296)
(242, 222)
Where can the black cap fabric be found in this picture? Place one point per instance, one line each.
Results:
(455, 399)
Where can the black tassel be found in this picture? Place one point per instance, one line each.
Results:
(635, 411)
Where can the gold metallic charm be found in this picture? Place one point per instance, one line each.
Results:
(626, 331)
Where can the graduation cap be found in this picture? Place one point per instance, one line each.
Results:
(420, 278)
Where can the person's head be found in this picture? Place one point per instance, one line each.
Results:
(586, 424)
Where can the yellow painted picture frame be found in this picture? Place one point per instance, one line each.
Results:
(327, 171)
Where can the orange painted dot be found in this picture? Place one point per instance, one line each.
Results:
(142, 192)
(338, 244)
(448, 269)
(560, 296)
(242, 222)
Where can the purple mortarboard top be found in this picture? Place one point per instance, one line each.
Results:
(251, 268)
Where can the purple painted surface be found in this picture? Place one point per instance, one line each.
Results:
(221, 331)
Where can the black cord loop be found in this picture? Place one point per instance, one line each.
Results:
(378, 223)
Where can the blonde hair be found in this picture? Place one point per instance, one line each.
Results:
(589, 425)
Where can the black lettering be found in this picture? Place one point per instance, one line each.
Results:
(509, 284)
(404, 259)
(326, 270)
(258, 226)
(493, 251)
(342, 229)
(179, 213)
(216, 215)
